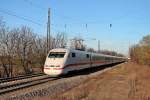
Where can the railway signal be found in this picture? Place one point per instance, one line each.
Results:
(110, 25)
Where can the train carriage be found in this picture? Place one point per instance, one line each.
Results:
(61, 61)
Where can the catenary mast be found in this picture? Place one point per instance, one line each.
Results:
(48, 32)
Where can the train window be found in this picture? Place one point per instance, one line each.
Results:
(56, 55)
(73, 55)
(87, 56)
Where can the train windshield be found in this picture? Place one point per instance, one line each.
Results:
(56, 55)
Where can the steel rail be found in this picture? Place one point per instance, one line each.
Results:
(20, 85)
(8, 79)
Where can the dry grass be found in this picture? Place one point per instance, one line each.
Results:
(128, 81)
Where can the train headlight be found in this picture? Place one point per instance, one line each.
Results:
(57, 66)
(52, 66)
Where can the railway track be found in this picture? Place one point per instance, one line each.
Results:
(2, 80)
(7, 87)
(67, 79)
(12, 86)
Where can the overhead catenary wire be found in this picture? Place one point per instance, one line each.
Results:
(44, 8)
(75, 20)
(20, 17)
(4, 11)
(35, 5)
(86, 24)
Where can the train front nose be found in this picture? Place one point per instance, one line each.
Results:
(53, 71)
(54, 63)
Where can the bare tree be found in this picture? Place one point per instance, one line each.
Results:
(145, 41)
(6, 52)
(21, 49)
(25, 40)
(39, 50)
(77, 43)
(91, 50)
(59, 41)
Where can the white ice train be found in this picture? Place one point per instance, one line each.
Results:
(60, 61)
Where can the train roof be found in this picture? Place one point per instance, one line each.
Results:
(73, 50)
(59, 50)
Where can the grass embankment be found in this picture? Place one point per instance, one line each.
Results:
(127, 81)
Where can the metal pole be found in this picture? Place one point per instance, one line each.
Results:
(47, 42)
(48, 33)
(49, 29)
(98, 45)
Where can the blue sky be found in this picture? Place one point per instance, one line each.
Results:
(130, 19)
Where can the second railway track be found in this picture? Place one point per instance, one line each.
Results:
(12, 86)
(3, 80)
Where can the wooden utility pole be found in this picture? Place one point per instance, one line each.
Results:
(48, 32)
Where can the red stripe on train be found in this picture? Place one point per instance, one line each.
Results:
(79, 64)
(58, 68)
(54, 68)
(47, 68)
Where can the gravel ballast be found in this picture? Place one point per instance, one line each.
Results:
(49, 89)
